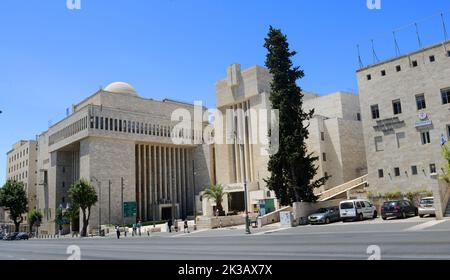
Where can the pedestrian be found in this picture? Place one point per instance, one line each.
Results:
(118, 232)
(175, 225)
(169, 224)
(186, 227)
(139, 225)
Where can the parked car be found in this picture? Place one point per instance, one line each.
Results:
(398, 208)
(357, 209)
(22, 236)
(426, 207)
(10, 236)
(325, 216)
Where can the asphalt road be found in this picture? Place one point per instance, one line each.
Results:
(412, 238)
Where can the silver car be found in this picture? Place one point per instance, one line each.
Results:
(325, 216)
(426, 207)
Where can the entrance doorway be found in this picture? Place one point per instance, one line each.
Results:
(236, 202)
(166, 213)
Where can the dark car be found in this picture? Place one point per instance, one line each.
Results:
(398, 208)
(2, 235)
(325, 216)
(10, 236)
(22, 236)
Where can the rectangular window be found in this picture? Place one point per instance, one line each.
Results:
(397, 172)
(324, 156)
(400, 137)
(106, 124)
(383, 72)
(96, 122)
(414, 63)
(398, 68)
(414, 170)
(380, 173)
(432, 58)
(101, 123)
(433, 168)
(115, 125)
(397, 106)
(358, 117)
(425, 137)
(379, 144)
(420, 101)
(111, 127)
(445, 93)
(375, 112)
(120, 125)
(369, 77)
(322, 136)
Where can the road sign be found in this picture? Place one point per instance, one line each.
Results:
(129, 209)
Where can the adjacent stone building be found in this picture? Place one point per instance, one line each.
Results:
(242, 154)
(405, 103)
(21, 166)
(133, 150)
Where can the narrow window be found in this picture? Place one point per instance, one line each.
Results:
(101, 122)
(420, 102)
(322, 136)
(433, 168)
(120, 125)
(445, 93)
(425, 136)
(432, 58)
(358, 117)
(324, 156)
(106, 124)
(397, 172)
(398, 68)
(383, 72)
(380, 173)
(375, 112)
(115, 125)
(414, 63)
(397, 107)
(369, 77)
(414, 170)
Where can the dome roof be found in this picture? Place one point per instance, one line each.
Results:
(121, 87)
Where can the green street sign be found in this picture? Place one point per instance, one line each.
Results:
(129, 209)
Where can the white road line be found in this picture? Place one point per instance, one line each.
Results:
(187, 234)
(271, 231)
(425, 225)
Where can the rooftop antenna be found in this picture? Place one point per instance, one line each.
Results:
(397, 49)
(445, 31)
(361, 65)
(418, 36)
(375, 57)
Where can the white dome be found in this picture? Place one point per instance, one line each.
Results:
(121, 87)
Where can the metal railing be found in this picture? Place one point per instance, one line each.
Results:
(343, 188)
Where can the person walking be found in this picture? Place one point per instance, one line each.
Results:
(139, 225)
(169, 224)
(186, 226)
(118, 232)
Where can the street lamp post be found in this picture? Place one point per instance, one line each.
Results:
(247, 219)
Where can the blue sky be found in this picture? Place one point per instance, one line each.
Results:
(52, 57)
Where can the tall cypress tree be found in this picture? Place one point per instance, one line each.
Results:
(292, 168)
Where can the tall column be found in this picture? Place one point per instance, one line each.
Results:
(178, 176)
(250, 138)
(183, 186)
(145, 158)
(160, 172)
(236, 144)
(169, 165)
(138, 171)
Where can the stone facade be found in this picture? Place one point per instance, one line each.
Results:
(116, 136)
(403, 146)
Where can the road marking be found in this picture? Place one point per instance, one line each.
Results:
(424, 225)
(186, 234)
(271, 231)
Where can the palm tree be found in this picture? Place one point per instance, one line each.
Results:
(216, 193)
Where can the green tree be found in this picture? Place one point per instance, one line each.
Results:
(446, 155)
(292, 168)
(34, 219)
(216, 193)
(14, 199)
(73, 215)
(83, 194)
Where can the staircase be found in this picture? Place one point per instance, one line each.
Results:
(447, 210)
(341, 189)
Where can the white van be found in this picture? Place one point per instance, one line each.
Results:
(357, 209)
